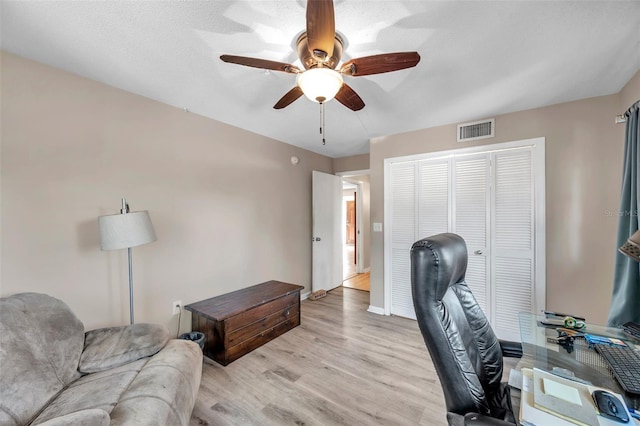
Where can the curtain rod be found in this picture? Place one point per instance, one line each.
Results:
(620, 119)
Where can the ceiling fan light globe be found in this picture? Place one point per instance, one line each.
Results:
(320, 84)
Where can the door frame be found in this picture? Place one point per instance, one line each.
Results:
(538, 156)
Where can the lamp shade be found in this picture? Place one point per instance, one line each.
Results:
(632, 247)
(320, 84)
(119, 231)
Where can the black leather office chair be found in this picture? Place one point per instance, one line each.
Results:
(465, 351)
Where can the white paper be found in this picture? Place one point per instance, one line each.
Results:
(563, 392)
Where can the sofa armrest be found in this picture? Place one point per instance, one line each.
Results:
(106, 348)
(165, 390)
(511, 349)
(90, 417)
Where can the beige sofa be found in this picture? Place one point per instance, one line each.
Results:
(53, 373)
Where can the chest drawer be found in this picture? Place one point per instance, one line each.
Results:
(260, 312)
(263, 324)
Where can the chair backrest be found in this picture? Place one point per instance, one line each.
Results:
(462, 345)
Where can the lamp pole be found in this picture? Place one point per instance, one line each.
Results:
(130, 287)
(125, 210)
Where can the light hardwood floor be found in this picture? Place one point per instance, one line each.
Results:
(341, 366)
(358, 281)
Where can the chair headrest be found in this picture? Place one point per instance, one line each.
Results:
(444, 255)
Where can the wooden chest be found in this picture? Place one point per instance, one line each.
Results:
(236, 323)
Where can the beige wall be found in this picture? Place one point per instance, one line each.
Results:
(630, 94)
(352, 163)
(584, 150)
(228, 207)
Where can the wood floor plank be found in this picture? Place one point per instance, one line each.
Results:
(341, 366)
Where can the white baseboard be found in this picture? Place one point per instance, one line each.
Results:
(366, 270)
(304, 296)
(375, 310)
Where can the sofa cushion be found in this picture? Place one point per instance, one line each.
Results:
(111, 347)
(41, 341)
(99, 390)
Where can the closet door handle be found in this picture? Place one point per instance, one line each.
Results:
(478, 252)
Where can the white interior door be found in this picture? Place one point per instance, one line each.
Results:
(326, 235)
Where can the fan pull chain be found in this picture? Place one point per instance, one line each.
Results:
(322, 126)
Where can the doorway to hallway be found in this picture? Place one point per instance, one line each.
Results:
(355, 224)
(349, 230)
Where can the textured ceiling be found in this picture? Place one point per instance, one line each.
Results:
(479, 59)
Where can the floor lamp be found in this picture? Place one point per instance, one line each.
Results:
(126, 230)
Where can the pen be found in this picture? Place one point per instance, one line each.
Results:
(558, 314)
(633, 413)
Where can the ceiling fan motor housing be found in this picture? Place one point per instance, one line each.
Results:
(310, 61)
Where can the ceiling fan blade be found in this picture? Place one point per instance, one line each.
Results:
(288, 98)
(349, 98)
(378, 64)
(321, 28)
(260, 63)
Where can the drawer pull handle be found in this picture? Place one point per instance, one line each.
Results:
(286, 313)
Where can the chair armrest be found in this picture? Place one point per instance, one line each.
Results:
(511, 349)
(474, 419)
(107, 348)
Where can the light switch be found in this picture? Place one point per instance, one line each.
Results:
(377, 227)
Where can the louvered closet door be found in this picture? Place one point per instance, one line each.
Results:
(512, 240)
(428, 183)
(488, 199)
(471, 221)
(403, 214)
(433, 198)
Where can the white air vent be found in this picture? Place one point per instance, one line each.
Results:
(476, 130)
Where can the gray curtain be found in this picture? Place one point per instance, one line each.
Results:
(625, 304)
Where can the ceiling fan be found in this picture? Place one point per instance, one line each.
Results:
(320, 49)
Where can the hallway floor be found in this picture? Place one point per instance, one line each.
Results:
(359, 282)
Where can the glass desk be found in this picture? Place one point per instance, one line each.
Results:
(541, 351)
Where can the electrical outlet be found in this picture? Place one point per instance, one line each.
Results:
(176, 307)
